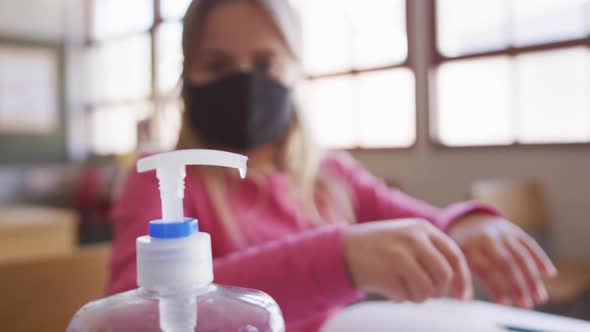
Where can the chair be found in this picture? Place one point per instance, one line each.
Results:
(523, 202)
(42, 294)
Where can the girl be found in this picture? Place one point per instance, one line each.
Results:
(313, 230)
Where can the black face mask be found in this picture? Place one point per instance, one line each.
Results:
(241, 111)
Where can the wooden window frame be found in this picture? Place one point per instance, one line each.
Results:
(408, 63)
(438, 59)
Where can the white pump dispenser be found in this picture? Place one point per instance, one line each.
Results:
(171, 170)
(175, 270)
(175, 257)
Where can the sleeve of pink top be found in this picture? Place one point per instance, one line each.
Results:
(302, 286)
(376, 201)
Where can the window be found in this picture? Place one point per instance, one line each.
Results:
(511, 72)
(134, 59)
(553, 101)
(387, 102)
(356, 58)
(504, 72)
(169, 50)
(173, 10)
(113, 18)
(474, 102)
(120, 70)
(114, 129)
(530, 18)
(28, 90)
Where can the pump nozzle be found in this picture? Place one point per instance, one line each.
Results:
(176, 258)
(171, 170)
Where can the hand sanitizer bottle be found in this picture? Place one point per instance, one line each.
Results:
(175, 270)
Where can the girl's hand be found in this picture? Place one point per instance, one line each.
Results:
(406, 260)
(508, 262)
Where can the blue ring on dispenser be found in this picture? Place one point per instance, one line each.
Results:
(160, 229)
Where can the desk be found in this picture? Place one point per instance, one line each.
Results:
(445, 315)
(43, 294)
(34, 231)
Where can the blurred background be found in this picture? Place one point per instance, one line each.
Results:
(446, 99)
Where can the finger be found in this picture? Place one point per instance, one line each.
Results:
(397, 290)
(511, 273)
(436, 266)
(419, 285)
(541, 259)
(529, 269)
(461, 284)
(489, 277)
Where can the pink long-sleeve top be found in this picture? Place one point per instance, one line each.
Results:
(300, 265)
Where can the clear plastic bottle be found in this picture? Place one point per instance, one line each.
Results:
(175, 270)
(219, 308)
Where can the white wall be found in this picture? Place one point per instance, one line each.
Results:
(442, 175)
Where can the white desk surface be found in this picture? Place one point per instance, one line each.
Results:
(446, 315)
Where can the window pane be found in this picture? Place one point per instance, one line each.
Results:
(29, 92)
(474, 102)
(379, 32)
(120, 17)
(372, 110)
(169, 66)
(467, 26)
(120, 70)
(327, 35)
(113, 130)
(531, 17)
(167, 125)
(329, 106)
(387, 109)
(174, 9)
(341, 35)
(554, 104)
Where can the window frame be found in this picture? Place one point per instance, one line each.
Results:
(408, 63)
(158, 99)
(437, 59)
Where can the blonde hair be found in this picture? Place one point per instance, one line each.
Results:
(297, 154)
